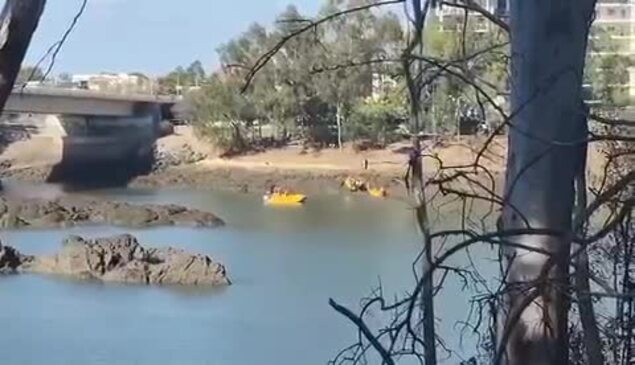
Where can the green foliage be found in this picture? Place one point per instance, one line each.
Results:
(182, 79)
(378, 119)
(221, 113)
(609, 81)
(447, 96)
(343, 78)
(315, 77)
(607, 69)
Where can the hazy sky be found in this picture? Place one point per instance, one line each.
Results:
(151, 36)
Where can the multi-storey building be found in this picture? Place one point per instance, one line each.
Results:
(613, 34)
(451, 17)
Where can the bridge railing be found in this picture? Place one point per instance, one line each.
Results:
(93, 94)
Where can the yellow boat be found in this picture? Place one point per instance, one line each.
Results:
(377, 192)
(284, 199)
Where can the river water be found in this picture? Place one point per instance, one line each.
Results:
(285, 263)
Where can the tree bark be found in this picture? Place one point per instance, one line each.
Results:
(18, 21)
(548, 52)
(427, 290)
(411, 70)
(338, 117)
(590, 330)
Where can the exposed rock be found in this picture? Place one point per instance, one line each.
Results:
(10, 259)
(69, 211)
(122, 259)
(176, 156)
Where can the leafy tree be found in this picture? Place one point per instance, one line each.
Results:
(356, 45)
(271, 93)
(304, 89)
(196, 72)
(611, 72)
(221, 112)
(293, 66)
(182, 79)
(608, 72)
(446, 97)
(378, 119)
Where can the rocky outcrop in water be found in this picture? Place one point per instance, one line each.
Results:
(121, 259)
(69, 211)
(10, 260)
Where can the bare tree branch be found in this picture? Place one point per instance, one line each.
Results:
(612, 122)
(386, 358)
(264, 59)
(55, 48)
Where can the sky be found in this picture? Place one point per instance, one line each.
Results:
(149, 36)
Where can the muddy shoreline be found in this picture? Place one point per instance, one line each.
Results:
(226, 178)
(244, 180)
(219, 177)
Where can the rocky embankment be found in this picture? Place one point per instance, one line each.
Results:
(168, 157)
(118, 259)
(71, 211)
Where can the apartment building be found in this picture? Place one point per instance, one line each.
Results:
(451, 17)
(613, 33)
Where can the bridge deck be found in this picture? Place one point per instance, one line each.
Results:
(92, 94)
(80, 102)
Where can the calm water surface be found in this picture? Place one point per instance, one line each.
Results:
(285, 264)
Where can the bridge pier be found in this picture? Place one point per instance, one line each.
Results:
(121, 143)
(102, 148)
(101, 133)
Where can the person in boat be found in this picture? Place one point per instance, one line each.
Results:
(270, 191)
(276, 190)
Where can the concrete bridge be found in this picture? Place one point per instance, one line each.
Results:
(38, 100)
(95, 128)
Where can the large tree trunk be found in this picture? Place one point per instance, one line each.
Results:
(18, 22)
(548, 51)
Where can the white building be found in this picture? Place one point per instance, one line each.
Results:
(120, 83)
(451, 17)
